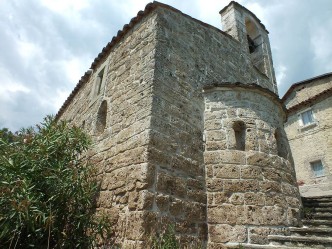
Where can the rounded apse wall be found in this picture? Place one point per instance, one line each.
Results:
(250, 178)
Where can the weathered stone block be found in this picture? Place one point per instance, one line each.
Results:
(215, 135)
(176, 207)
(259, 159)
(214, 124)
(237, 198)
(272, 174)
(269, 186)
(167, 183)
(293, 217)
(224, 156)
(214, 184)
(215, 145)
(227, 171)
(274, 216)
(251, 198)
(241, 186)
(254, 215)
(195, 212)
(273, 199)
(225, 214)
(105, 199)
(163, 202)
(227, 233)
(221, 198)
(251, 172)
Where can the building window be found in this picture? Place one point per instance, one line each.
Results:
(317, 168)
(99, 81)
(307, 118)
(240, 135)
(281, 146)
(101, 118)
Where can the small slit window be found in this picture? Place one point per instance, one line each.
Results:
(281, 147)
(251, 44)
(101, 118)
(317, 168)
(240, 135)
(99, 81)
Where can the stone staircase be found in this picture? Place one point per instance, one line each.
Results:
(317, 227)
(315, 233)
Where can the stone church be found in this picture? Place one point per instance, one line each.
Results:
(188, 130)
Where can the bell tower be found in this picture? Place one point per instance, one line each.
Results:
(245, 27)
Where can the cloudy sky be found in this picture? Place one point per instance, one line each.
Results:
(47, 45)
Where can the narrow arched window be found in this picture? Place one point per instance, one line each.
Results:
(240, 135)
(281, 146)
(99, 81)
(101, 118)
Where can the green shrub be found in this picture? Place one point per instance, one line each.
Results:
(47, 190)
(166, 239)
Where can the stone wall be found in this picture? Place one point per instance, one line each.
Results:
(121, 149)
(251, 191)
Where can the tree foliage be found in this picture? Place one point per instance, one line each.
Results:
(6, 135)
(47, 189)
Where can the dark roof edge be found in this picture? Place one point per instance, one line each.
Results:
(245, 9)
(289, 91)
(121, 33)
(250, 86)
(317, 97)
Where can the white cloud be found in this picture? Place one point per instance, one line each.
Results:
(321, 45)
(9, 85)
(281, 72)
(60, 97)
(130, 7)
(65, 6)
(73, 68)
(28, 50)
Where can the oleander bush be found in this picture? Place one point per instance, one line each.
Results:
(47, 189)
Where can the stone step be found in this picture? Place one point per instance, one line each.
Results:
(301, 241)
(254, 246)
(319, 223)
(317, 204)
(322, 210)
(322, 216)
(317, 199)
(317, 231)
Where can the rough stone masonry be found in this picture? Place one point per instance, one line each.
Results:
(188, 130)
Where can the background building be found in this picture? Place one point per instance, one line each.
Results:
(309, 131)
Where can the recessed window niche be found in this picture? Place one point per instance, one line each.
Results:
(239, 128)
(282, 150)
(101, 118)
